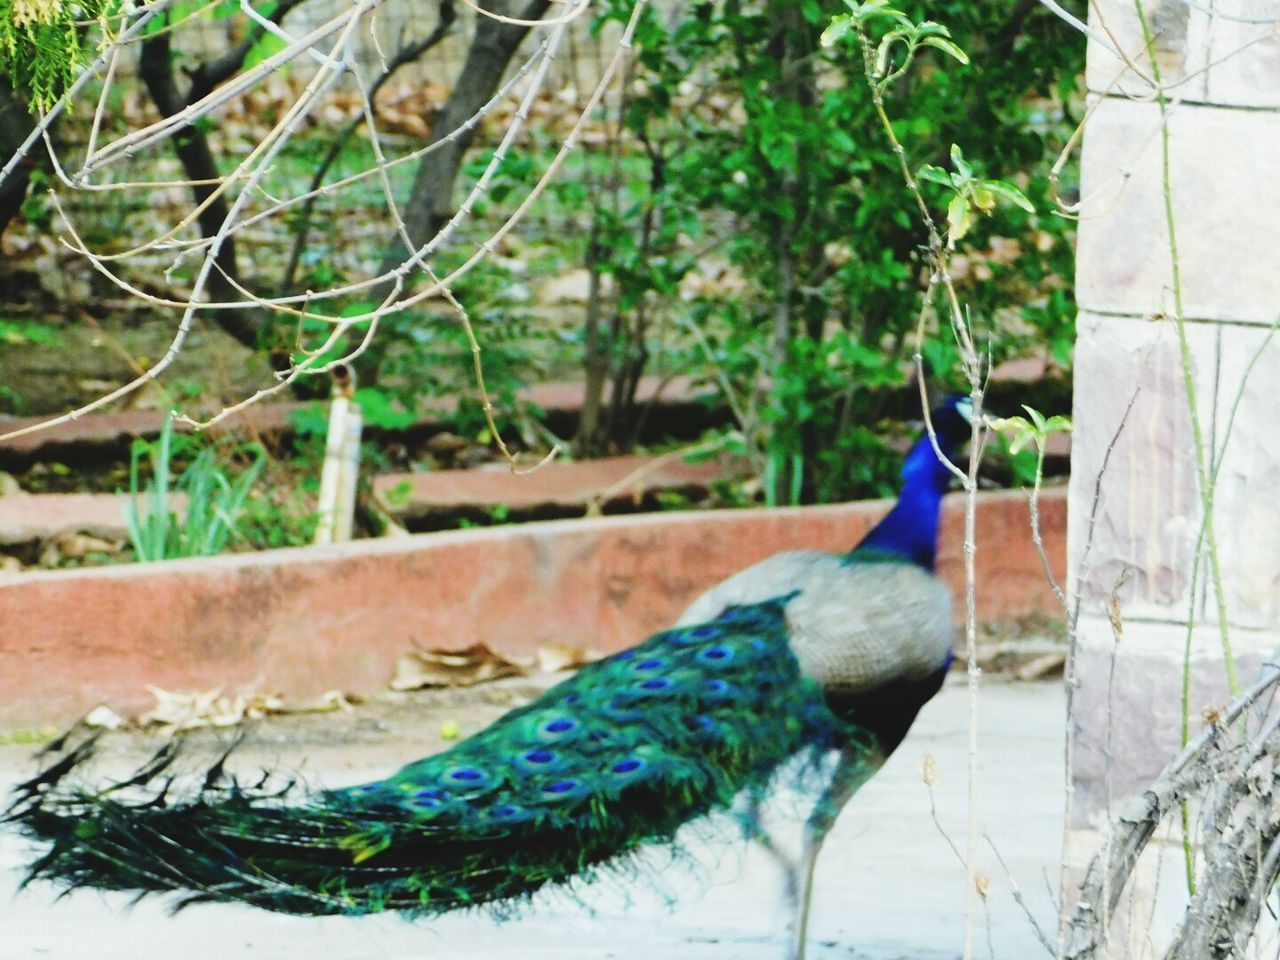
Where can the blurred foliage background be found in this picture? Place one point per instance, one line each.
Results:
(734, 218)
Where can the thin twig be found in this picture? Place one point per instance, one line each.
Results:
(1019, 899)
(972, 364)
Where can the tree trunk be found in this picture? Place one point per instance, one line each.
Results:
(155, 66)
(431, 202)
(795, 312)
(595, 357)
(407, 53)
(192, 148)
(16, 123)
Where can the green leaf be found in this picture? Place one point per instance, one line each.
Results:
(934, 175)
(841, 140)
(1022, 431)
(318, 332)
(378, 411)
(982, 198)
(266, 47)
(886, 46)
(958, 161)
(1016, 429)
(959, 217)
(1021, 439)
(1058, 424)
(1010, 193)
(1008, 425)
(946, 46)
(837, 30)
(865, 12)
(862, 12)
(1047, 425)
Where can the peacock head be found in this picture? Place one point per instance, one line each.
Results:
(952, 425)
(910, 529)
(952, 421)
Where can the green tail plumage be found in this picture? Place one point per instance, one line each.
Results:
(618, 756)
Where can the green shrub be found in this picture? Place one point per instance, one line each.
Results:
(214, 500)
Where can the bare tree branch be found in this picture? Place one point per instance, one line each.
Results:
(407, 53)
(1194, 769)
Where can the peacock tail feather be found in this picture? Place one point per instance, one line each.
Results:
(618, 756)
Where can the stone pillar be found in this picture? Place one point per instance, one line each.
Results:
(1220, 63)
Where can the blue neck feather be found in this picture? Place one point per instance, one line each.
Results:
(910, 530)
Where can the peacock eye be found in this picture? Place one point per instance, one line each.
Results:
(539, 756)
(704, 633)
(505, 810)
(560, 786)
(715, 653)
(467, 775)
(657, 683)
(649, 665)
(560, 726)
(716, 686)
(628, 765)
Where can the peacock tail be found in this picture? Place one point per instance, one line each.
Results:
(620, 755)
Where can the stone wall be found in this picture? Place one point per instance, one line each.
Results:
(1220, 65)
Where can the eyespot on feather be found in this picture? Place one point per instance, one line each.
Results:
(717, 689)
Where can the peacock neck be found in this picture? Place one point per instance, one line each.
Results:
(909, 532)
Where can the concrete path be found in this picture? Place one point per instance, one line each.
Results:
(889, 888)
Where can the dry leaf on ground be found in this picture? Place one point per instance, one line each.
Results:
(103, 717)
(420, 669)
(423, 669)
(176, 711)
(555, 657)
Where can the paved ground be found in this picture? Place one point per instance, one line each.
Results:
(890, 887)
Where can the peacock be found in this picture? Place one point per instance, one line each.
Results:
(803, 654)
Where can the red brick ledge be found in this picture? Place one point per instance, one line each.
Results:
(118, 427)
(302, 621)
(410, 497)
